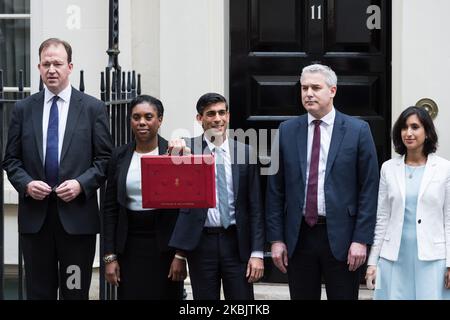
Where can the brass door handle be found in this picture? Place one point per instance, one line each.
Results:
(430, 106)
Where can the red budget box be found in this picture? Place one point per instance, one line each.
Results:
(178, 181)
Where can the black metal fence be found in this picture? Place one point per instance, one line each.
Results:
(117, 89)
(7, 101)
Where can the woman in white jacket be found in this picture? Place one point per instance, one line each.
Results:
(410, 257)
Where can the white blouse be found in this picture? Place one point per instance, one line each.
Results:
(134, 188)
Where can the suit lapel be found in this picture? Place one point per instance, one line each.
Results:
(302, 144)
(336, 140)
(234, 165)
(162, 145)
(430, 170)
(199, 146)
(75, 108)
(37, 113)
(124, 165)
(400, 175)
(204, 148)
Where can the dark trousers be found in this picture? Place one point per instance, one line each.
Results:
(313, 260)
(143, 266)
(56, 260)
(216, 260)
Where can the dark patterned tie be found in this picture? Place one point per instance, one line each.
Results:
(51, 153)
(311, 210)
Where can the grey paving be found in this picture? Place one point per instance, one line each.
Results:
(263, 291)
(280, 291)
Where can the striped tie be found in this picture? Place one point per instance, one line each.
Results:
(224, 208)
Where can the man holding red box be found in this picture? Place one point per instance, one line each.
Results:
(222, 244)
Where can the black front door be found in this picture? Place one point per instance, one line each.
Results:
(272, 40)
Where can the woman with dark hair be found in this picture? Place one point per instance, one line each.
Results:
(410, 256)
(138, 259)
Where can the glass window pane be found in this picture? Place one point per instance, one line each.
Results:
(14, 6)
(15, 50)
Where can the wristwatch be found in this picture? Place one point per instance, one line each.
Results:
(109, 258)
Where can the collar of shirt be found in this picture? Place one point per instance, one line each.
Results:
(225, 146)
(63, 95)
(328, 119)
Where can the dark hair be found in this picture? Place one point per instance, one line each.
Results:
(55, 41)
(431, 139)
(144, 98)
(208, 99)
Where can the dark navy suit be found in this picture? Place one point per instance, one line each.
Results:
(350, 188)
(53, 231)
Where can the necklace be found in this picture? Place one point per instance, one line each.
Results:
(411, 171)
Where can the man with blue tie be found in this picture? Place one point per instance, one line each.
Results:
(321, 204)
(223, 245)
(56, 158)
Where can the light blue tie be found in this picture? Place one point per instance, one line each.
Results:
(224, 208)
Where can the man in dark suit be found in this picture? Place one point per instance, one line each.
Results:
(321, 204)
(56, 158)
(225, 243)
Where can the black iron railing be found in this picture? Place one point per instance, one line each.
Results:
(7, 101)
(117, 90)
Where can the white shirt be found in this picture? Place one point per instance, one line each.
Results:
(326, 131)
(213, 218)
(133, 184)
(63, 110)
(213, 215)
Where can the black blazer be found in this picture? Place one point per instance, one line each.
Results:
(85, 153)
(115, 211)
(248, 205)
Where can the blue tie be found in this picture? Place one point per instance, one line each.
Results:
(51, 154)
(224, 208)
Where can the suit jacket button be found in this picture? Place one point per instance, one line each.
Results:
(419, 221)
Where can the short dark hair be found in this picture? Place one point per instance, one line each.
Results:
(208, 99)
(431, 139)
(55, 41)
(144, 98)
